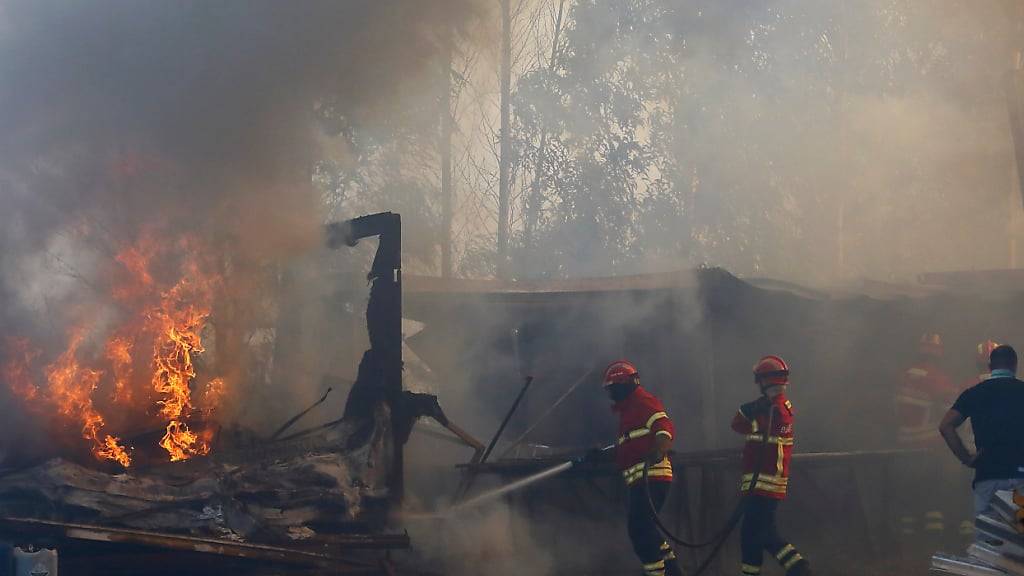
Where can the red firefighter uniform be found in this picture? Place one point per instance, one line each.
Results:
(923, 395)
(645, 431)
(771, 458)
(641, 417)
(921, 399)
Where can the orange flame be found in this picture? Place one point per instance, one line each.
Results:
(119, 353)
(135, 261)
(173, 371)
(181, 443)
(71, 386)
(171, 315)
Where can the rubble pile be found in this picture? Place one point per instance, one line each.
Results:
(999, 546)
(279, 492)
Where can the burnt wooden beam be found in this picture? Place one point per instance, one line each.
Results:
(330, 552)
(380, 372)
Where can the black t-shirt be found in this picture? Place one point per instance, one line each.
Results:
(996, 410)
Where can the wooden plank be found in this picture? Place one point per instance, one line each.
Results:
(208, 545)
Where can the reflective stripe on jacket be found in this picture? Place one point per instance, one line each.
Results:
(642, 417)
(770, 456)
(920, 401)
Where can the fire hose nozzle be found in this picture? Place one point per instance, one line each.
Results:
(592, 455)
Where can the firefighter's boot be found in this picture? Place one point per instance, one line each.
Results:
(671, 562)
(791, 561)
(801, 568)
(654, 568)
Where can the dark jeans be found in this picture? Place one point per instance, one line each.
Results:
(759, 533)
(648, 542)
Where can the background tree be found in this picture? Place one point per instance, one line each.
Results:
(813, 141)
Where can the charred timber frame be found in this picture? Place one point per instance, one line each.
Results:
(383, 322)
(332, 554)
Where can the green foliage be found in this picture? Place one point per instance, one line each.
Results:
(768, 137)
(672, 133)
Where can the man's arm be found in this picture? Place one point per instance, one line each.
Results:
(662, 444)
(664, 431)
(950, 422)
(745, 420)
(741, 424)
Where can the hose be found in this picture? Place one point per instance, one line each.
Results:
(720, 538)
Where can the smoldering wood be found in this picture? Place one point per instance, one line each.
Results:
(279, 492)
(300, 499)
(90, 549)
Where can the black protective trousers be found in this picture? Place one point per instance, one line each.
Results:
(759, 534)
(648, 543)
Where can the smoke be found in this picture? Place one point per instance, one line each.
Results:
(497, 539)
(813, 142)
(870, 139)
(508, 535)
(191, 124)
(210, 106)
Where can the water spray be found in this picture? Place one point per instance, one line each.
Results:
(500, 491)
(518, 484)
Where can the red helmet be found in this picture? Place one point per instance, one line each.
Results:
(930, 344)
(771, 370)
(984, 351)
(619, 372)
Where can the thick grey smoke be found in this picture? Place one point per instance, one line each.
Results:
(209, 106)
(194, 126)
(809, 141)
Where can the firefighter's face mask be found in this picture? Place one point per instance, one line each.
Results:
(620, 390)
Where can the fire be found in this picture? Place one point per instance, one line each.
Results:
(164, 292)
(71, 386)
(119, 353)
(113, 451)
(173, 371)
(181, 443)
(134, 261)
(179, 321)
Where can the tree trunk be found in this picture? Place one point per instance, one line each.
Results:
(446, 159)
(504, 183)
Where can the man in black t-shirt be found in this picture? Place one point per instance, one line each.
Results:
(995, 407)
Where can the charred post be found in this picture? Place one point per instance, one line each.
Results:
(380, 372)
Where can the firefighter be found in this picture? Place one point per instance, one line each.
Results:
(645, 437)
(924, 391)
(766, 455)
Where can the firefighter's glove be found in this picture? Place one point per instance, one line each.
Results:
(752, 410)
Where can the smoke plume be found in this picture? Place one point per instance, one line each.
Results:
(184, 135)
